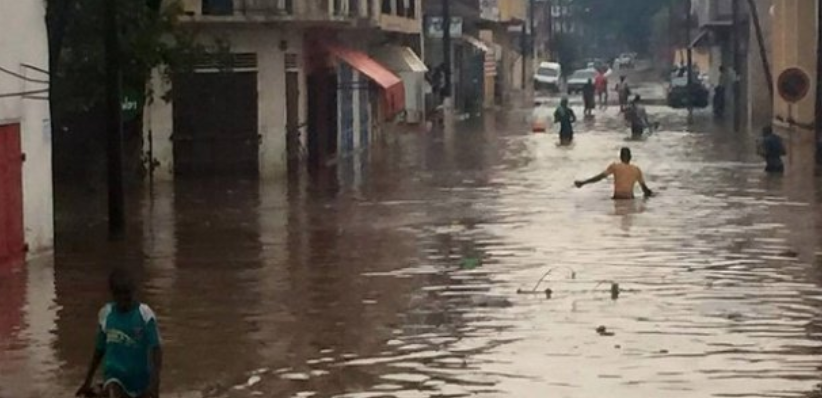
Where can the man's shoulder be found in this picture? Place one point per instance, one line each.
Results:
(103, 314)
(147, 313)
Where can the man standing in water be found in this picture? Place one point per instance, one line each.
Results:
(626, 176)
(637, 117)
(588, 97)
(623, 92)
(772, 149)
(601, 84)
(128, 345)
(566, 118)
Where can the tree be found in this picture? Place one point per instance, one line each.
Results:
(629, 20)
(150, 37)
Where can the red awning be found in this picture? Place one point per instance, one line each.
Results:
(394, 92)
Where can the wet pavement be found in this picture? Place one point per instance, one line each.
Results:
(398, 275)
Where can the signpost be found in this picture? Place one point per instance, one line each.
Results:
(435, 27)
(793, 85)
(131, 104)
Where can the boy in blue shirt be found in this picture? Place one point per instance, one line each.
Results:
(128, 345)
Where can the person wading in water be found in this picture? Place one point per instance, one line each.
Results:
(772, 149)
(626, 176)
(566, 118)
(127, 344)
(637, 118)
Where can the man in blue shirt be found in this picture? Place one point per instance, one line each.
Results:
(128, 345)
(772, 149)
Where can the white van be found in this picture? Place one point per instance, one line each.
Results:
(547, 76)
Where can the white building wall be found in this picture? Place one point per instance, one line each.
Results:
(251, 38)
(26, 19)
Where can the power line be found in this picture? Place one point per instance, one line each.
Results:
(22, 77)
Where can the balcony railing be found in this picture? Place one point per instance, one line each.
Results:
(297, 10)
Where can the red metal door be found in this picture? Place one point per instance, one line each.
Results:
(11, 195)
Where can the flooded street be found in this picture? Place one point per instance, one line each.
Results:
(398, 276)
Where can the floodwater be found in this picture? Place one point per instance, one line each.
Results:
(398, 275)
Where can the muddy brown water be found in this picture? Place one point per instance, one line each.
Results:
(397, 275)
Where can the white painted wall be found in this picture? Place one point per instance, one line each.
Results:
(24, 41)
(265, 42)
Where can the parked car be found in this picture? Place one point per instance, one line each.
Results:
(547, 76)
(680, 94)
(625, 61)
(579, 78)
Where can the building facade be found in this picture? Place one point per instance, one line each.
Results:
(714, 46)
(488, 67)
(287, 83)
(26, 198)
(795, 35)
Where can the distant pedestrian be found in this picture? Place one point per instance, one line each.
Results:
(127, 344)
(637, 118)
(623, 92)
(720, 91)
(601, 86)
(626, 176)
(566, 118)
(772, 149)
(588, 97)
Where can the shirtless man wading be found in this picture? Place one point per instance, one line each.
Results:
(626, 176)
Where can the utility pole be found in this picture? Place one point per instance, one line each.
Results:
(818, 81)
(531, 28)
(735, 42)
(550, 7)
(114, 124)
(446, 53)
(690, 54)
(523, 43)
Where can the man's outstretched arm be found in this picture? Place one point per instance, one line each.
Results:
(597, 178)
(647, 191)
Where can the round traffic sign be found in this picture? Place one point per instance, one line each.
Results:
(793, 84)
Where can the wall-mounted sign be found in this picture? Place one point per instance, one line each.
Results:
(793, 85)
(434, 27)
(489, 10)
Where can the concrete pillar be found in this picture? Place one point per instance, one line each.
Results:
(794, 37)
(759, 102)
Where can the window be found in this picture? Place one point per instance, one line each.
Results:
(386, 6)
(412, 9)
(218, 7)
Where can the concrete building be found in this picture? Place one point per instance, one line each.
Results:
(713, 44)
(26, 199)
(487, 61)
(292, 82)
(795, 43)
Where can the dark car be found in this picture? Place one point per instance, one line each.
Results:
(681, 95)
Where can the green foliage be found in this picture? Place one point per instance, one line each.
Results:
(629, 20)
(150, 37)
(567, 48)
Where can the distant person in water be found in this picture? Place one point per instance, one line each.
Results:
(623, 93)
(589, 97)
(566, 118)
(772, 149)
(626, 176)
(601, 85)
(637, 118)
